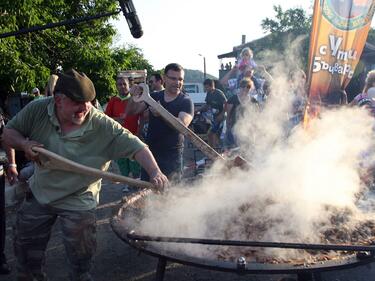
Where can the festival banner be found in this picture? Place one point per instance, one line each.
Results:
(338, 35)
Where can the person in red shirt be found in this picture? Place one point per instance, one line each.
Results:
(116, 109)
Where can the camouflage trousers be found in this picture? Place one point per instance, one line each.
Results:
(33, 230)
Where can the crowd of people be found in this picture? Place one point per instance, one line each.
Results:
(244, 85)
(67, 120)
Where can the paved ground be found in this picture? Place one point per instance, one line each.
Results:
(115, 260)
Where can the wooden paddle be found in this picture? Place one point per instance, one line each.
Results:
(175, 123)
(57, 162)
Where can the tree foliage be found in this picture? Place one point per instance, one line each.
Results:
(291, 20)
(288, 37)
(28, 60)
(289, 26)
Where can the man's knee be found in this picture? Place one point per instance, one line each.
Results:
(79, 235)
(30, 242)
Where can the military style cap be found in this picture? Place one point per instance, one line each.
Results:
(75, 85)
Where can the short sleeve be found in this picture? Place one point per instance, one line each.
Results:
(23, 121)
(188, 106)
(123, 143)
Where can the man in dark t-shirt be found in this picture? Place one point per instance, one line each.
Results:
(165, 142)
(215, 102)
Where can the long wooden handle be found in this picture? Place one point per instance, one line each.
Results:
(175, 123)
(58, 162)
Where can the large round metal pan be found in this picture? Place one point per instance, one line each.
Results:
(123, 223)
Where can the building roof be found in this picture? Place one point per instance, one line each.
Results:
(237, 49)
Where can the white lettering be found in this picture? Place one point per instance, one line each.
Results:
(316, 66)
(352, 54)
(335, 45)
(342, 55)
(320, 65)
(323, 50)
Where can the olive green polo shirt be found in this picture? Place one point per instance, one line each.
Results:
(99, 140)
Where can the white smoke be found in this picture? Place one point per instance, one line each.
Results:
(289, 194)
(299, 180)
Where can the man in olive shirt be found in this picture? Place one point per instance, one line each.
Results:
(68, 125)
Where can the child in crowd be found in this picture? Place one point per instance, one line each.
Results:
(245, 59)
(368, 90)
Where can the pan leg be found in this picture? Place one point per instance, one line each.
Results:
(317, 276)
(305, 277)
(160, 269)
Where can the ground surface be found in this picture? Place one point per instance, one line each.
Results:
(116, 261)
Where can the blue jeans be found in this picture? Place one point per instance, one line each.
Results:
(169, 162)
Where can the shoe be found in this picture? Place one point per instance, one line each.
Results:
(4, 268)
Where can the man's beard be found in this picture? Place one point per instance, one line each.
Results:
(78, 120)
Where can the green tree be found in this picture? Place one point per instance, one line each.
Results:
(291, 20)
(28, 60)
(287, 26)
(288, 36)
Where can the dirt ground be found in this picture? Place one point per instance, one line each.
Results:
(117, 261)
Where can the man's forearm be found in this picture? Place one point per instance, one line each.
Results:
(133, 107)
(145, 158)
(13, 138)
(185, 118)
(220, 116)
(11, 155)
(224, 81)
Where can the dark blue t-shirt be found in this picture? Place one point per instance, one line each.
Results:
(160, 134)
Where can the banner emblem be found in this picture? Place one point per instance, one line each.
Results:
(347, 14)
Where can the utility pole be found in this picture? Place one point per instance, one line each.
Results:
(204, 67)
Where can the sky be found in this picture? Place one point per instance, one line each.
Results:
(188, 31)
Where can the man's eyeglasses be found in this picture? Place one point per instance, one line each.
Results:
(179, 79)
(245, 87)
(150, 81)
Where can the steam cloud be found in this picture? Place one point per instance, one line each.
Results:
(300, 179)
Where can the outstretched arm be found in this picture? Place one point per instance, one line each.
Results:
(12, 172)
(230, 74)
(145, 158)
(14, 139)
(263, 71)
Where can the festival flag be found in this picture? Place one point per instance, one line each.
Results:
(338, 35)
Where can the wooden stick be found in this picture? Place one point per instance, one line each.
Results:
(58, 162)
(175, 123)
